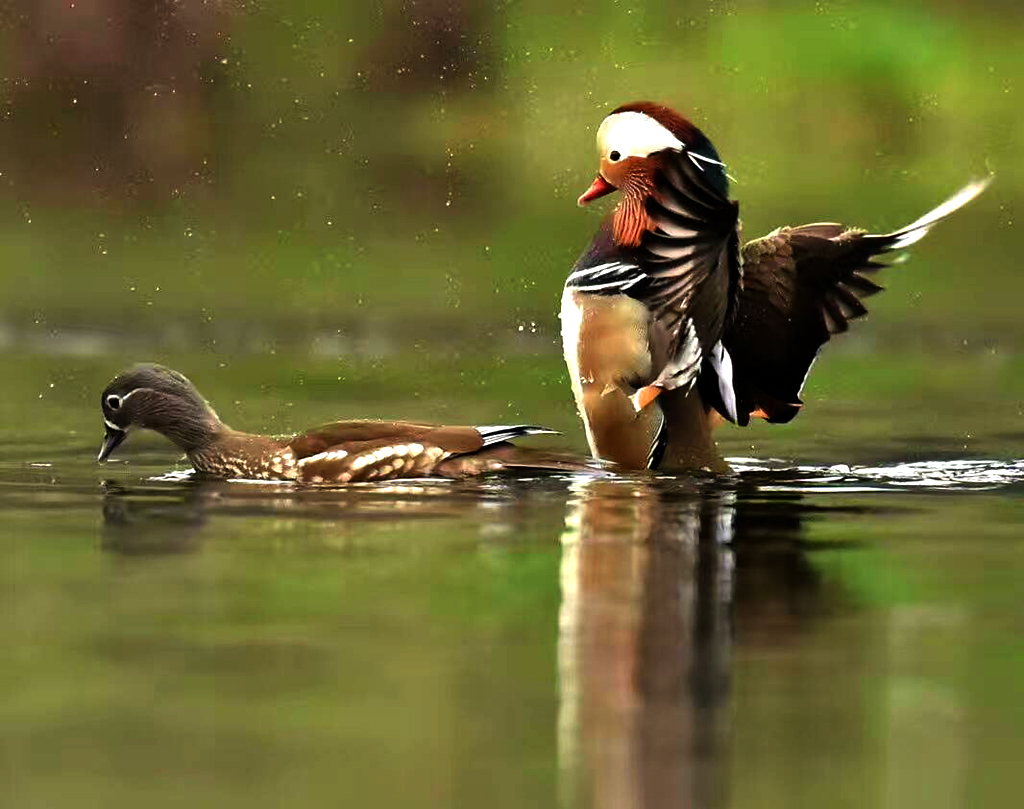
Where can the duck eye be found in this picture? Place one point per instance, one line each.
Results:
(114, 401)
(614, 155)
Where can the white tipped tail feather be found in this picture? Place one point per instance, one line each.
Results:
(918, 229)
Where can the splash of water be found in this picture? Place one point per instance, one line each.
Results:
(963, 474)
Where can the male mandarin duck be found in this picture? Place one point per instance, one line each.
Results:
(669, 326)
(157, 398)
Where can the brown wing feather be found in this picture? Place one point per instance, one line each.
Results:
(354, 451)
(338, 433)
(371, 460)
(350, 451)
(800, 286)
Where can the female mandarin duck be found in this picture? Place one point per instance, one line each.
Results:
(159, 399)
(669, 326)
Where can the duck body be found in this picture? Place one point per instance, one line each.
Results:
(360, 451)
(670, 327)
(614, 347)
(157, 398)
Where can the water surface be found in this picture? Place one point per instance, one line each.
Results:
(792, 635)
(319, 211)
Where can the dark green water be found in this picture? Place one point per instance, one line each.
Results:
(323, 210)
(791, 636)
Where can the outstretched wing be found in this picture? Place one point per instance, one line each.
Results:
(800, 286)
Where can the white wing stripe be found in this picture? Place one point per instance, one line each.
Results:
(623, 285)
(611, 275)
(682, 370)
(614, 267)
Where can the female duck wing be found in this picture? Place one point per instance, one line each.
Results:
(351, 451)
(800, 286)
(341, 433)
(369, 450)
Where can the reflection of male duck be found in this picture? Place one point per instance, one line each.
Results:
(653, 582)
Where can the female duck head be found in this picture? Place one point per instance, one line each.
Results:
(156, 398)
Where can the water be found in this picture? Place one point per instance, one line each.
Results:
(321, 213)
(788, 636)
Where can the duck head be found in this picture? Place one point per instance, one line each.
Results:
(633, 142)
(156, 398)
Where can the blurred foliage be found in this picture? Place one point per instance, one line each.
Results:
(383, 198)
(266, 165)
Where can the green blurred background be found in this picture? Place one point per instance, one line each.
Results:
(350, 205)
(321, 210)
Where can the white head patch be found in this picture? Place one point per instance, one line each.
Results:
(634, 134)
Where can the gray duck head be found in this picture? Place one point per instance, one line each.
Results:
(160, 399)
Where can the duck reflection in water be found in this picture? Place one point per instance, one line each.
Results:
(154, 518)
(138, 525)
(662, 581)
(657, 584)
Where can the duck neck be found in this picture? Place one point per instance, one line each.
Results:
(231, 447)
(194, 433)
(630, 220)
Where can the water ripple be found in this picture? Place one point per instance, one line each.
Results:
(963, 474)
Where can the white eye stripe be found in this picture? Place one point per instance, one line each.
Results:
(121, 399)
(634, 134)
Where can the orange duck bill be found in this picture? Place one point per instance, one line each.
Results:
(599, 188)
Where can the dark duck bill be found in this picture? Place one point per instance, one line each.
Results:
(111, 441)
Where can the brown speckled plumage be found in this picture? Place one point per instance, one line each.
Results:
(156, 398)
